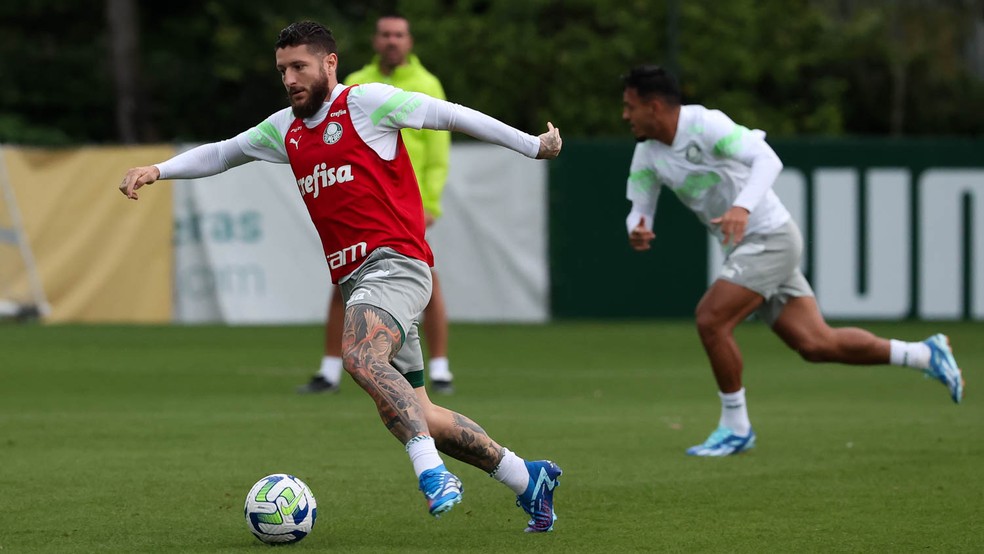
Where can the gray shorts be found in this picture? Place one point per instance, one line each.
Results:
(769, 264)
(401, 287)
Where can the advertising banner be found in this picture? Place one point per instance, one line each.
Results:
(101, 258)
(246, 251)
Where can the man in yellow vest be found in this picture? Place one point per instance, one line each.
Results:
(394, 64)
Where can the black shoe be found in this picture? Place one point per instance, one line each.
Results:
(317, 384)
(442, 387)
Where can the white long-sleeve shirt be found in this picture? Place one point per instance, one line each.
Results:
(376, 110)
(712, 165)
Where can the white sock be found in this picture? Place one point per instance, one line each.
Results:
(734, 412)
(438, 368)
(423, 453)
(331, 369)
(910, 354)
(512, 472)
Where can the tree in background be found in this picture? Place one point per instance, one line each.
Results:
(51, 72)
(908, 64)
(530, 61)
(195, 71)
(124, 34)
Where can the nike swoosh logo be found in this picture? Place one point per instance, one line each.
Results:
(289, 508)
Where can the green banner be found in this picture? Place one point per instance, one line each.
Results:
(593, 271)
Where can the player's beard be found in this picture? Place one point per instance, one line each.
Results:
(315, 98)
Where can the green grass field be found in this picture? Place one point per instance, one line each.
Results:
(146, 439)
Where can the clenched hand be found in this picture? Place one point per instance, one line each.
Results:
(640, 237)
(550, 143)
(733, 224)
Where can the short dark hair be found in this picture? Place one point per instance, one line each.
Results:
(392, 15)
(315, 36)
(652, 80)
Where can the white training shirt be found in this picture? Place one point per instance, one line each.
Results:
(712, 165)
(378, 112)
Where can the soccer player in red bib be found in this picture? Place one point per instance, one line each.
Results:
(343, 144)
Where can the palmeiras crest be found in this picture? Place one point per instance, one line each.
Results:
(333, 132)
(694, 154)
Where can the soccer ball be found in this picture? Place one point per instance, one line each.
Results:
(280, 508)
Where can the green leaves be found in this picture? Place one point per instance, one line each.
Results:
(205, 69)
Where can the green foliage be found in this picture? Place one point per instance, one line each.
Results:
(14, 128)
(53, 74)
(817, 67)
(527, 62)
(763, 63)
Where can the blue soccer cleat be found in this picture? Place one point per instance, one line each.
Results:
(441, 488)
(943, 367)
(723, 442)
(537, 500)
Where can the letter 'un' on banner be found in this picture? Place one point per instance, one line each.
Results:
(246, 251)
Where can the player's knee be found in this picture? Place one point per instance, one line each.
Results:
(351, 363)
(356, 361)
(708, 325)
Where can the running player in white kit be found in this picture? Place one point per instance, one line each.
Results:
(355, 178)
(724, 173)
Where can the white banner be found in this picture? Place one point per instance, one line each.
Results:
(247, 253)
(490, 245)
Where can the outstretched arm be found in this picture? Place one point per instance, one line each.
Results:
(384, 109)
(455, 117)
(201, 161)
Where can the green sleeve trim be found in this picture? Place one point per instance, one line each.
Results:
(643, 180)
(390, 106)
(265, 134)
(729, 145)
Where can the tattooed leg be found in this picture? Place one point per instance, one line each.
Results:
(370, 340)
(461, 438)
